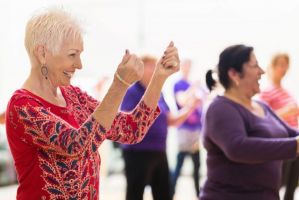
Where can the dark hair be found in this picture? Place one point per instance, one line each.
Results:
(210, 82)
(233, 57)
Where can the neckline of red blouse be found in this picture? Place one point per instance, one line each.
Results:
(47, 102)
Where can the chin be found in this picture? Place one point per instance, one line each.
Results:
(256, 92)
(65, 83)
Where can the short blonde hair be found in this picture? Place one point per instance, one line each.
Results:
(50, 28)
(277, 56)
(148, 58)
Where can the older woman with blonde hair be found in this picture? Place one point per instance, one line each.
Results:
(54, 129)
(285, 106)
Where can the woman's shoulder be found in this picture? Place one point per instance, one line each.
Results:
(221, 104)
(271, 91)
(224, 106)
(21, 97)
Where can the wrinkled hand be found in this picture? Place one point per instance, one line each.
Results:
(131, 68)
(169, 63)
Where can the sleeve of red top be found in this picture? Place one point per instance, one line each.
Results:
(46, 130)
(130, 128)
(42, 128)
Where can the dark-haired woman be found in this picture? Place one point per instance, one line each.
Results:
(246, 142)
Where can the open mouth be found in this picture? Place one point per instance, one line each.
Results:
(68, 74)
(259, 81)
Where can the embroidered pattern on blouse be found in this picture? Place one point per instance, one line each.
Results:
(68, 157)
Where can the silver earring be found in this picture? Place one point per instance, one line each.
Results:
(44, 71)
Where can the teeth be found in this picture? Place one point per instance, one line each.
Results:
(68, 74)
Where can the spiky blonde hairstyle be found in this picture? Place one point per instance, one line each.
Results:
(50, 28)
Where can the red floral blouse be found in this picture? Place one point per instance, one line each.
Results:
(55, 148)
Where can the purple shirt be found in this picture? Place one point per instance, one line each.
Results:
(155, 139)
(193, 122)
(244, 152)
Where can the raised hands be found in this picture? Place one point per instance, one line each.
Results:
(130, 69)
(169, 63)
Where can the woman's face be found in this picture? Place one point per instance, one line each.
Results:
(62, 65)
(280, 68)
(249, 80)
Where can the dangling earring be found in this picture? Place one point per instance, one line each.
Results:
(44, 71)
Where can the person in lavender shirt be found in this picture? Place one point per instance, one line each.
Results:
(245, 140)
(189, 131)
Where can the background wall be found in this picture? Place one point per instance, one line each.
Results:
(200, 29)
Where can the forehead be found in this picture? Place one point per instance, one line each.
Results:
(282, 59)
(252, 58)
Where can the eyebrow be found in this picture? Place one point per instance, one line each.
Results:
(73, 49)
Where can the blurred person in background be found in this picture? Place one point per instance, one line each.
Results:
(100, 86)
(7, 170)
(189, 131)
(285, 106)
(146, 162)
(54, 129)
(2, 118)
(245, 140)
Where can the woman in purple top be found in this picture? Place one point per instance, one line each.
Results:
(146, 162)
(245, 141)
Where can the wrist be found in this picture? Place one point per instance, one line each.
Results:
(119, 83)
(159, 78)
(120, 80)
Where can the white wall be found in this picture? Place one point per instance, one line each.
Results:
(200, 29)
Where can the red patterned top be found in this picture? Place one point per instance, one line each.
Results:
(55, 148)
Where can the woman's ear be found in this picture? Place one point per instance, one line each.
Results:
(40, 53)
(234, 76)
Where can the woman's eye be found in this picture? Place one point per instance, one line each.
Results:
(72, 55)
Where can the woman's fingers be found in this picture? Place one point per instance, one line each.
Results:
(132, 60)
(171, 64)
(173, 54)
(170, 59)
(126, 57)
